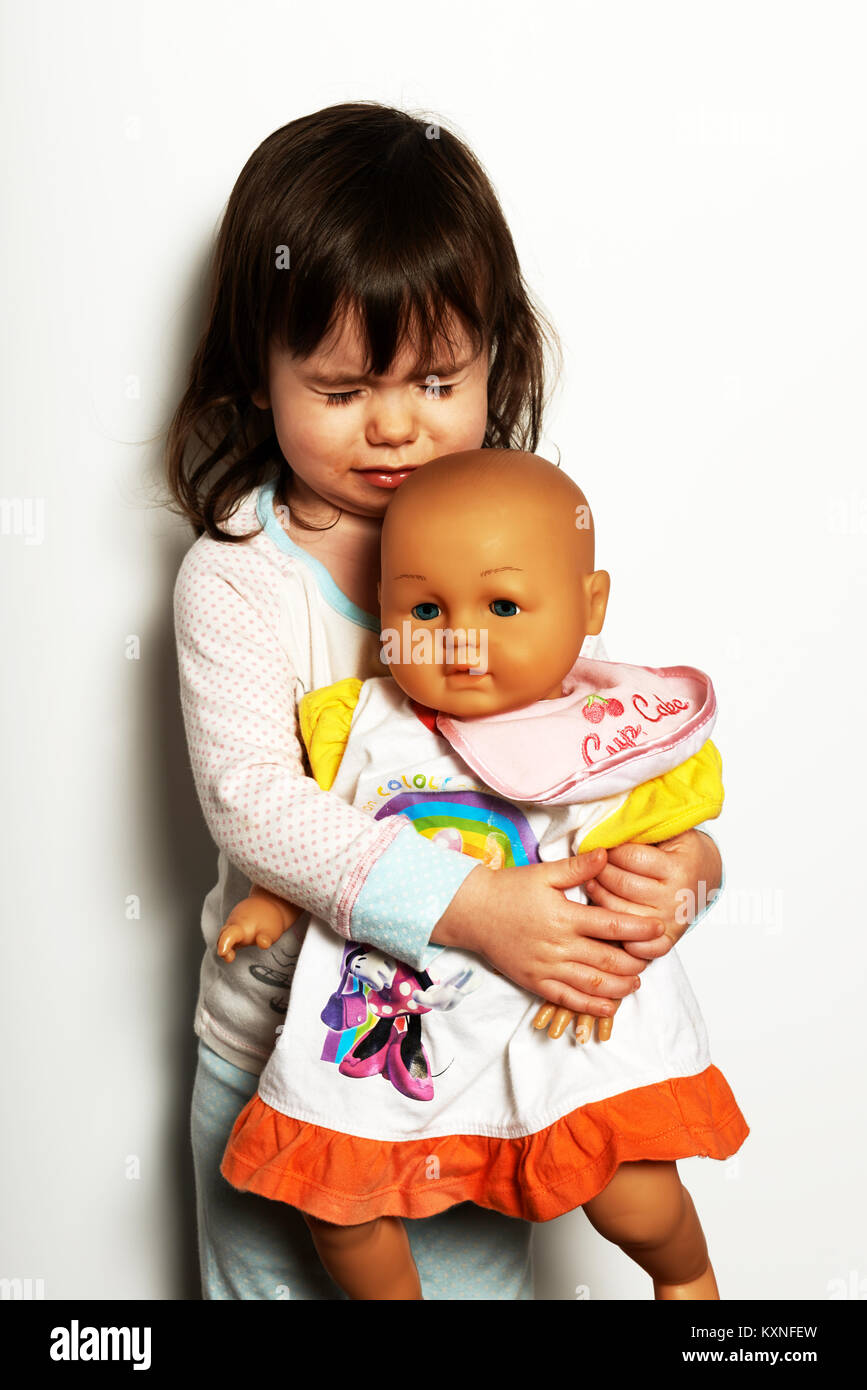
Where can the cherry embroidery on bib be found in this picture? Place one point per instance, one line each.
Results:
(597, 706)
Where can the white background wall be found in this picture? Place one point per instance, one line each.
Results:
(685, 183)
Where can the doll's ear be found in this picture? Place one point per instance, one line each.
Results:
(598, 590)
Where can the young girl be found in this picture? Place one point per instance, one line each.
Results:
(367, 313)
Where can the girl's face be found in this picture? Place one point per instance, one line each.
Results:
(352, 439)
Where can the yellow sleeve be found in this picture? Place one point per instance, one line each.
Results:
(666, 805)
(325, 717)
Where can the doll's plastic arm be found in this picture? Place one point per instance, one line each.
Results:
(260, 920)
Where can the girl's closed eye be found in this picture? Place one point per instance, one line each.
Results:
(432, 392)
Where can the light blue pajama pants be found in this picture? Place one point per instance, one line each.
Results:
(252, 1247)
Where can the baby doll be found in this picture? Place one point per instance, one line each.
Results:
(495, 738)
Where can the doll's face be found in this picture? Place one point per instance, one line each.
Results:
(510, 571)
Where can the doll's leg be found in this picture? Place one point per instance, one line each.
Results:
(647, 1211)
(372, 1261)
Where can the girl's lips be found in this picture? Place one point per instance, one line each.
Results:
(385, 477)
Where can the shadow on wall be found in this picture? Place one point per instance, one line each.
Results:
(183, 855)
(187, 865)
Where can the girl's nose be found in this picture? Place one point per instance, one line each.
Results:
(390, 421)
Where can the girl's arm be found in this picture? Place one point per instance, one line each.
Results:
(274, 822)
(373, 881)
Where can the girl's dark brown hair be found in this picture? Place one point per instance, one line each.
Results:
(385, 216)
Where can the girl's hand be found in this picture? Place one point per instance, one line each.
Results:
(648, 880)
(522, 923)
(658, 881)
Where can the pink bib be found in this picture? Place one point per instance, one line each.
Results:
(614, 727)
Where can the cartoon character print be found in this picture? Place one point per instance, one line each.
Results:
(375, 1015)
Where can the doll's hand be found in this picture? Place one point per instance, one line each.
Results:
(259, 920)
(557, 1021)
(251, 923)
(374, 968)
(657, 881)
(448, 993)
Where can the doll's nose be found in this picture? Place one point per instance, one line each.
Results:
(467, 651)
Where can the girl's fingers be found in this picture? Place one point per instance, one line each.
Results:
(645, 861)
(576, 1002)
(621, 888)
(602, 959)
(646, 951)
(568, 991)
(569, 873)
(596, 925)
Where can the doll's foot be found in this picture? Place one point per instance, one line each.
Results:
(408, 1069)
(368, 1057)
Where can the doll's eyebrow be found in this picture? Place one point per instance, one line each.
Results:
(499, 569)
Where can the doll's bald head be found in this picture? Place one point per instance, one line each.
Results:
(499, 543)
(492, 485)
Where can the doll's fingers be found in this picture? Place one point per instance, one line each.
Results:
(603, 1028)
(544, 1016)
(263, 941)
(584, 1027)
(562, 1019)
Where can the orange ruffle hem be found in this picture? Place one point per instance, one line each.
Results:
(346, 1180)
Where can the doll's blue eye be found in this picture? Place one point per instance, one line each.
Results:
(504, 608)
(425, 611)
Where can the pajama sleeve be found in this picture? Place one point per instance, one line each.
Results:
(373, 881)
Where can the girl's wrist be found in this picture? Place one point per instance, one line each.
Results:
(712, 863)
(462, 922)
